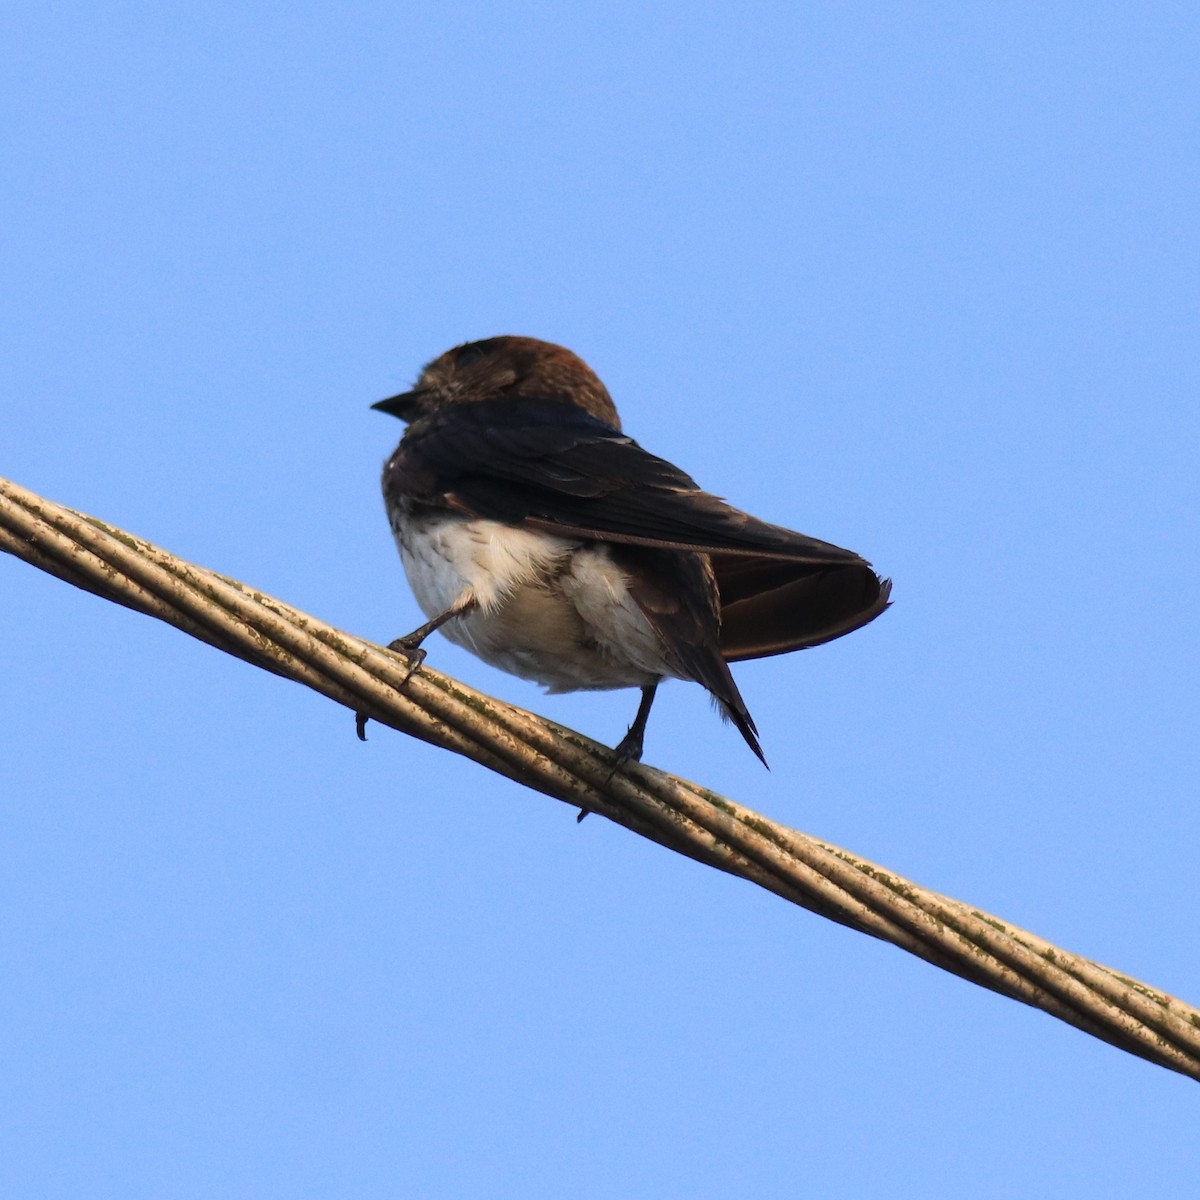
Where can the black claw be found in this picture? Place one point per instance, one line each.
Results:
(410, 647)
(628, 749)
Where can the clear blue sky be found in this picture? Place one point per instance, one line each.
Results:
(920, 279)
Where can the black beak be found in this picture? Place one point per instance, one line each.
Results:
(403, 406)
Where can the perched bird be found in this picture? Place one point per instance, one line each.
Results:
(535, 534)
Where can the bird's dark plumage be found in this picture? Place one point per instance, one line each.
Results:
(522, 433)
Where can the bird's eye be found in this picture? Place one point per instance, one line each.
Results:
(468, 355)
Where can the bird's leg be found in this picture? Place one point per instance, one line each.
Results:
(629, 748)
(410, 646)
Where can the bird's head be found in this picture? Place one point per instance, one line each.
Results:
(514, 367)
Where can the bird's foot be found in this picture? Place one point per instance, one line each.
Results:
(627, 750)
(410, 647)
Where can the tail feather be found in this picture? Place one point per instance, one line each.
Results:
(743, 722)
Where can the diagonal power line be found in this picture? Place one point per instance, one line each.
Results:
(557, 761)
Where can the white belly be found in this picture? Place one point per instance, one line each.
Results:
(552, 609)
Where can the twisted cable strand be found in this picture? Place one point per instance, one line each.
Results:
(561, 763)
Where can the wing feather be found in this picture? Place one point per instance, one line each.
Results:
(553, 466)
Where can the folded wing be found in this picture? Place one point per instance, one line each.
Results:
(552, 466)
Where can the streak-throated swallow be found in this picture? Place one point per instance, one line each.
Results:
(537, 535)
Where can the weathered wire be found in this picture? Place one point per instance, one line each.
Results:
(568, 766)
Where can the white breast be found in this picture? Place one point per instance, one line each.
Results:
(445, 556)
(552, 609)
